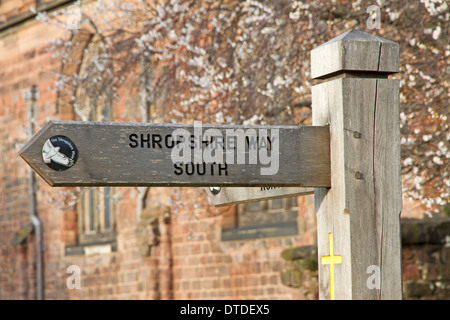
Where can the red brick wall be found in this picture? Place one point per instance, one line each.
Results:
(190, 261)
(23, 62)
(207, 268)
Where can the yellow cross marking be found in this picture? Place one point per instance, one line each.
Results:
(331, 260)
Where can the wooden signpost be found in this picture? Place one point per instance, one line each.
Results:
(358, 218)
(351, 157)
(234, 195)
(70, 153)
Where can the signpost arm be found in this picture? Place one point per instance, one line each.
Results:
(74, 153)
(358, 218)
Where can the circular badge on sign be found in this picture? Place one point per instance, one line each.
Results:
(59, 153)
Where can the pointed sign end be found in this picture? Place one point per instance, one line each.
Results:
(32, 153)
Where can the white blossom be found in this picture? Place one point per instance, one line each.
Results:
(437, 160)
(437, 32)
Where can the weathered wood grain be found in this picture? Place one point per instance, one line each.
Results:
(362, 208)
(114, 154)
(355, 51)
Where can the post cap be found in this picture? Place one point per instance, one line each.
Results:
(353, 51)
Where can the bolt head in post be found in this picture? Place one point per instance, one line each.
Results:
(215, 190)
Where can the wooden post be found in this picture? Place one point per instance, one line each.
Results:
(358, 218)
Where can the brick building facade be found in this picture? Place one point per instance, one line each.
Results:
(124, 243)
(158, 244)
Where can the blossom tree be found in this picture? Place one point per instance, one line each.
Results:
(247, 62)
